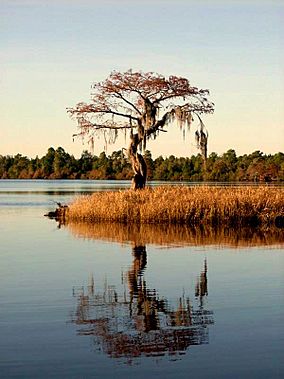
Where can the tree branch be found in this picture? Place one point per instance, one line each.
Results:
(127, 101)
(91, 109)
(112, 127)
(121, 114)
(159, 124)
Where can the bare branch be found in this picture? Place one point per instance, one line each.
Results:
(121, 114)
(127, 101)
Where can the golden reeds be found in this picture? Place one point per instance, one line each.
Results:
(199, 205)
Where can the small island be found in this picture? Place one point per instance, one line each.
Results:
(142, 105)
(184, 205)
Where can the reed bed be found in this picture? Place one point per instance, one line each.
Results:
(200, 205)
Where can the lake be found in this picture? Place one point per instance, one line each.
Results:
(104, 301)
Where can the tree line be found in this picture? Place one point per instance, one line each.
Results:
(58, 164)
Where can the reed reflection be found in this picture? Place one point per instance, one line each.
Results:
(139, 322)
(178, 235)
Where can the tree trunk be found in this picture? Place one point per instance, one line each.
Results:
(203, 148)
(138, 163)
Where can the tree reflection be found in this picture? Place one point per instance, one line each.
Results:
(139, 322)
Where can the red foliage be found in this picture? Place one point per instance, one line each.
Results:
(132, 100)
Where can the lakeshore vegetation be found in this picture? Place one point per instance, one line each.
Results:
(196, 205)
(58, 164)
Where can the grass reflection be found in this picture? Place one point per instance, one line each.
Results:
(175, 235)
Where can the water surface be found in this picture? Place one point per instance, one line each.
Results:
(97, 301)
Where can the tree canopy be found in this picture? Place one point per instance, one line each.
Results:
(144, 104)
(58, 164)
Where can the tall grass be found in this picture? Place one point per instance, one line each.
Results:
(183, 205)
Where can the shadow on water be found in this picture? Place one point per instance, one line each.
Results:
(139, 322)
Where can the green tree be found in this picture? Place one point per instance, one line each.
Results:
(47, 162)
(59, 163)
(85, 162)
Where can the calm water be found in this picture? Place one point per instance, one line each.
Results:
(107, 301)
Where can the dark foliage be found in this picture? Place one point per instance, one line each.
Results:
(58, 164)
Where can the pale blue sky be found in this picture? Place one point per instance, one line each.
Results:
(52, 51)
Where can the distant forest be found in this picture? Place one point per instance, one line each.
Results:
(58, 164)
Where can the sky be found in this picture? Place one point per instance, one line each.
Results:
(52, 51)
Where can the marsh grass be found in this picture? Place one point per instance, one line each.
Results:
(200, 205)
